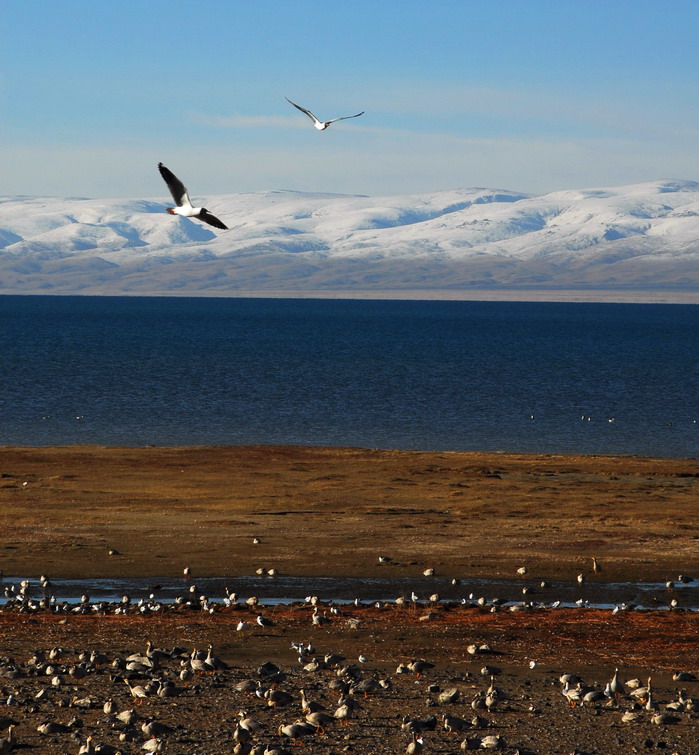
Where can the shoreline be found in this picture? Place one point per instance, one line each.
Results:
(591, 296)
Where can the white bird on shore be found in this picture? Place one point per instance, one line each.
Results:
(317, 620)
(8, 743)
(321, 125)
(154, 745)
(616, 686)
(263, 621)
(184, 205)
(416, 746)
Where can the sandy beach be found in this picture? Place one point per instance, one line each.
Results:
(333, 512)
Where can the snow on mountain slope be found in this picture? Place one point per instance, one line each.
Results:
(639, 235)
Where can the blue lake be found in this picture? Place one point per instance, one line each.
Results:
(511, 376)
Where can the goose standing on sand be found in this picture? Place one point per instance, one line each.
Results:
(319, 620)
(199, 664)
(343, 713)
(641, 693)
(572, 694)
(317, 123)
(85, 749)
(454, 723)
(241, 735)
(277, 698)
(246, 722)
(297, 731)
(7, 744)
(152, 728)
(416, 746)
(616, 687)
(650, 705)
(309, 706)
(263, 621)
(418, 667)
(137, 691)
(185, 208)
(216, 663)
(320, 720)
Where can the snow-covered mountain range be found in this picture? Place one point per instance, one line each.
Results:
(638, 236)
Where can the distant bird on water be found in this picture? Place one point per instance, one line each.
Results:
(321, 125)
(184, 205)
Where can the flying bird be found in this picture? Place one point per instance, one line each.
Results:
(321, 125)
(184, 205)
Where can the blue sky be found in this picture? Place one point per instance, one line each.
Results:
(529, 95)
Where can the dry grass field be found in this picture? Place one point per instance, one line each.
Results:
(333, 511)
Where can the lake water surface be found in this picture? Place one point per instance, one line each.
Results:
(512, 376)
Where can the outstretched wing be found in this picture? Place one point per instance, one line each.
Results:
(345, 117)
(177, 188)
(303, 110)
(207, 217)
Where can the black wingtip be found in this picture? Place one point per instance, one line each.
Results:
(207, 217)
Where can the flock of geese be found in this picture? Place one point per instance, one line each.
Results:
(26, 597)
(183, 205)
(101, 702)
(321, 696)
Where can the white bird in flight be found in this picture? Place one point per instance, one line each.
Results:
(321, 125)
(184, 205)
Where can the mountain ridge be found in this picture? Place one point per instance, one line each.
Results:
(642, 235)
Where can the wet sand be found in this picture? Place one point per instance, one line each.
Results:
(319, 511)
